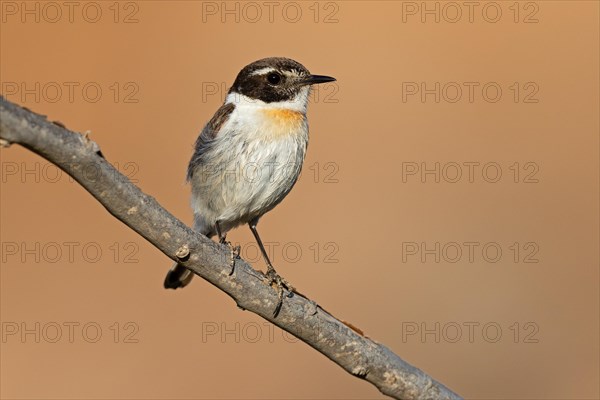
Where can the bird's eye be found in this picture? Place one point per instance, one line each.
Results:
(274, 78)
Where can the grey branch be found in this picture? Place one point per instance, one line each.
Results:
(342, 343)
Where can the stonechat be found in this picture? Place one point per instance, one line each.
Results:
(249, 156)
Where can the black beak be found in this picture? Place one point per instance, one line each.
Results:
(315, 79)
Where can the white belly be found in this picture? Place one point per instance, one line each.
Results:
(252, 167)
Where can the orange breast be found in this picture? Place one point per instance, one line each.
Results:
(283, 122)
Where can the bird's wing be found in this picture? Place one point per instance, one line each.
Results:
(207, 136)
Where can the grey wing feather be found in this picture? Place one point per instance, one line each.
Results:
(207, 136)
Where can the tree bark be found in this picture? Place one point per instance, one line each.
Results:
(340, 342)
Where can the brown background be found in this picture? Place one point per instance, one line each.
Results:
(358, 204)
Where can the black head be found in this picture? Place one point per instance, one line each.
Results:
(275, 79)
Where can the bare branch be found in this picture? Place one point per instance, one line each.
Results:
(341, 343)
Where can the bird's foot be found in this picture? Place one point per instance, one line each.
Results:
(273, 277)
(233, 255)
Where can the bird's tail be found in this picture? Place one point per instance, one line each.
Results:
(178, 277)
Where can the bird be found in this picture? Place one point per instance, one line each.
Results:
(249, 156)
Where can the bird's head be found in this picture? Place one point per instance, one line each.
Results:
(275, 81)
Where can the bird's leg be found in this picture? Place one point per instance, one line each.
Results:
(235, 250)
(271, 276)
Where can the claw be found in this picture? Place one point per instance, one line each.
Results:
(273, 277)
(235, 253)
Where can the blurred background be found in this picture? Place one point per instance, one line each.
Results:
(451, 180)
